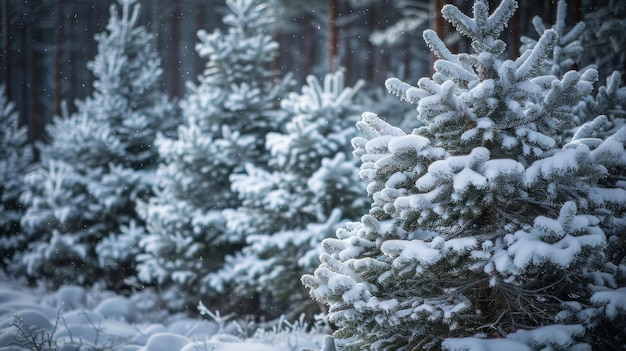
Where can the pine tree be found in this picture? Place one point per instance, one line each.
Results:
(99, 162)
(227, 115)
(487, 230)
(306, 191)
(16, 157)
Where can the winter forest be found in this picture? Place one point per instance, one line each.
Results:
(313, 175)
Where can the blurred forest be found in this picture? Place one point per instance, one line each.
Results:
(46, 44)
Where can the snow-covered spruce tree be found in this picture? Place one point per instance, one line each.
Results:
(15, 157)
(485, 231)
(604, 38)
(98, 163)
(226, 117)
(567, 50)
(306, 192)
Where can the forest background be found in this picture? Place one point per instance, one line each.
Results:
(46, 44)
(110, 162)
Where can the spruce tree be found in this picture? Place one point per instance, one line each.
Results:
(16, 156)
(226, 117)
(567, 50)
(604, 38)
(99, 162)
(487, 230)
(306, 191)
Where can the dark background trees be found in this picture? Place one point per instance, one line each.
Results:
(46, 44)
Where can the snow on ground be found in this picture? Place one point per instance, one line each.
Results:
(74, 318)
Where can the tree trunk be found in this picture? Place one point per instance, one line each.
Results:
(6, 50)
(58, 48)
(333, 41)
(309, 48)
(439, 26)
(200, 22)
(35, 117)
(345, 41)
(175, 49)
(370, 65)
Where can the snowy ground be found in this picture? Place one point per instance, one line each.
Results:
(74, 318)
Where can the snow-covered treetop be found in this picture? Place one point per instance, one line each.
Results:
(322, 120)
(244, 50)
(567, 50)
(321, 101)
(126, 94)
(249, 16)
(480, 100)
(236, 80)
(483, 29)
(127, 63)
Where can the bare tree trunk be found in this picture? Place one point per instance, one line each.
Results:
(370, 65)
(6, 49)
(58, 45)
(439, 23)
(548, 13)
(72, 55)
(348, 59)
(35, 75)
(577, 8)
(439, 26)
(514, 35)
(200, 20)
(577, 16)
(175, 49)
(309, 48)
(333, 34)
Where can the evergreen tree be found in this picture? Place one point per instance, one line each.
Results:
(308, 189)
(16, 156)
(567, 50)
(413, 17)
(486, 231)
(604, 38)
(99, 162)
(226, 117)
